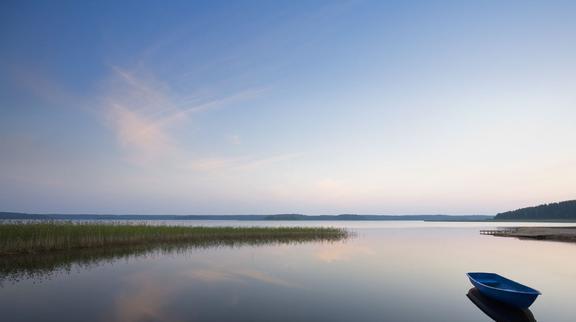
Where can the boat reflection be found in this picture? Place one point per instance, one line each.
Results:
(497, 311)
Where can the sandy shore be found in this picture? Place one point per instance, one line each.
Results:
(567, 234)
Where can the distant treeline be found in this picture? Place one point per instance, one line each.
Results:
(25, 216)
(565, 210)
(377, 217)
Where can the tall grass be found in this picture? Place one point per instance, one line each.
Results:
(33, 237)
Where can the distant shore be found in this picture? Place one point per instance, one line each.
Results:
(564, 234)
(247, 217)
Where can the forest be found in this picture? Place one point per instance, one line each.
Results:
(565, 210)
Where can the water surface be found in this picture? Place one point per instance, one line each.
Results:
(390, 271)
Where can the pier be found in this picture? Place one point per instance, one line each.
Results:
(499, 231)
(564, 234)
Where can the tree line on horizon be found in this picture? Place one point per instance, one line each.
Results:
(565, 210)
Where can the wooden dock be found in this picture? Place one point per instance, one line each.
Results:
(563, 234)
(498, 231)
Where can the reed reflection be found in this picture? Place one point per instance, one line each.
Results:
(497, 311)
(41, 266)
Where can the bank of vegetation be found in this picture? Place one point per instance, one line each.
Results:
(557, 211)
(41, 236)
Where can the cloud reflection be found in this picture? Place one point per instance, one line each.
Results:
(145, 299)
(239, 276)
(343, 252)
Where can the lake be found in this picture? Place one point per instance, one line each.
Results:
(389, 271)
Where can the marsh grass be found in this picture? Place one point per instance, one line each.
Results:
(41, 237)
(41, 250)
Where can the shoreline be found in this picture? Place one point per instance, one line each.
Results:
(563, 234)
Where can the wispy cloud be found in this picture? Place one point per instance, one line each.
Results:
(144, 113)
(140, 110)
(235, 139)
(141, 136)
(239, 163)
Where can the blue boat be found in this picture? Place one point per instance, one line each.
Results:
(501, 289)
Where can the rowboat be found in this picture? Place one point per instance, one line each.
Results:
(504, 290)
(499, 311)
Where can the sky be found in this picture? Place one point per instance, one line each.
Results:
(262, 107)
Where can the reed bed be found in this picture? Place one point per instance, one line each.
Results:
(34, 237)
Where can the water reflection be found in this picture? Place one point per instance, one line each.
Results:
(211, 276)
(498, 311)
(37, 267)
(377, 276)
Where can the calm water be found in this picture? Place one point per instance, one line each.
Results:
(391, 271)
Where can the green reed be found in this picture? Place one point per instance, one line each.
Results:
(34, 237)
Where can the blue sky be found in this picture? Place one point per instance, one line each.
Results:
(214, 107)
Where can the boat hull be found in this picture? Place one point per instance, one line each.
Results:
(503, 290)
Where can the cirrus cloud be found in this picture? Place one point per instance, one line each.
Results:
(144, 113)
